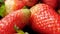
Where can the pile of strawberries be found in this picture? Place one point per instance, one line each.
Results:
(41, 15)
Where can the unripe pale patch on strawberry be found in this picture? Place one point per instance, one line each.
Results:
(13, 5)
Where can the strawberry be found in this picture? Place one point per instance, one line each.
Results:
(30, 3)
(18, 18)
(52, 3)
(12, 5)
(44, 19)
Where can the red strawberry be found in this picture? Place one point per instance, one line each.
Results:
(30, 3)
(18, 18)
(44, 19)
(12, 5)
(52, 3)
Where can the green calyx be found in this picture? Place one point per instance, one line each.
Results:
(2, 10)
(1, 1)
(19, 31)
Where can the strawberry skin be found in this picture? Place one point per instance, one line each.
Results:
(30, 3)
(52, 3)
(18, 18)
(44, 19)
(12, 5)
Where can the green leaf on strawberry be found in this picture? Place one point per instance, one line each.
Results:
(2, 10)
(20, 32)
(1, 0)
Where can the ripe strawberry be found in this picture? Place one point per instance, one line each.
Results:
(18, 18)
(52, 3)
(12, 5)
(30, 3)
(44, 19)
